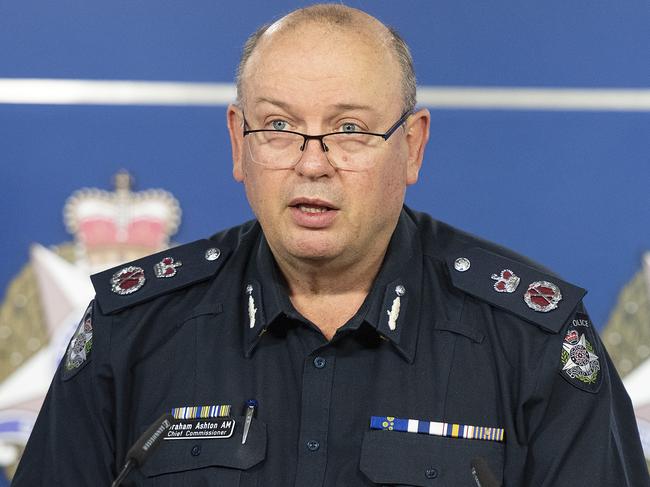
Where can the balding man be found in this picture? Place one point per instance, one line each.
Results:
(340, 339)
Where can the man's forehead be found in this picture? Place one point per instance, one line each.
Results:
(287, 104)
(327, 61)
(299, 96)
(360, 37)
(261, 104)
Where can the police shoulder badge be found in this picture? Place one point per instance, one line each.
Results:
(580, 358)
(546, 300)
(129, 284)
(78, 353)
(127, 280)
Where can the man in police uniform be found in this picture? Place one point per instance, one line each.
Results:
(340, 339)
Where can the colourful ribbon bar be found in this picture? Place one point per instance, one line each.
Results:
(201, 412)
(450, 430)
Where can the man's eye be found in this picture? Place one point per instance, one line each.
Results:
(279, 125)
(350, 127)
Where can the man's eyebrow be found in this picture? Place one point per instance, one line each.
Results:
(272, 101)
(353, 106)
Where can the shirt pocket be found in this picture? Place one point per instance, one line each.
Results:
(394, 458)
(208, 462)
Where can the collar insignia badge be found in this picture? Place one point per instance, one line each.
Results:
(506, 282)
(578, 358)
(166, 267)
(252, 310)
(543, 296)
(393, 312)
(127, 280)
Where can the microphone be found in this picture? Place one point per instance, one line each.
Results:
(482, 473)
(144, 447)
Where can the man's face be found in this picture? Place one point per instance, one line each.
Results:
(314, 80)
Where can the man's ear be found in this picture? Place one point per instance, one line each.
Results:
(235, 121)
(417, 136)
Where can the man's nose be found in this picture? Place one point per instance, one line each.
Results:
(314, 161)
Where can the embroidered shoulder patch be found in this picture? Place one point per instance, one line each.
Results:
(581, 356)
(78, 352)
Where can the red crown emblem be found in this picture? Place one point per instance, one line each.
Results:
(111, 227)
(571, 337)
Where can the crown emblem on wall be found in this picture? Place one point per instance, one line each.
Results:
(122, 225)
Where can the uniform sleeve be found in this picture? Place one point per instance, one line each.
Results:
(72, 441)
(586, 433)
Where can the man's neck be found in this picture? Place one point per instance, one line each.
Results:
(330, 293)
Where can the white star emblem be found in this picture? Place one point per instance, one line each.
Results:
(579, 357)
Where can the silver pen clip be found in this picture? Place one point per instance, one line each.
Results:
(251, 405)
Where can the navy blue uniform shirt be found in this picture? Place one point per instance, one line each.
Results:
(450, 364)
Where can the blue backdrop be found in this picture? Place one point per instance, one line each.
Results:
(567, 188)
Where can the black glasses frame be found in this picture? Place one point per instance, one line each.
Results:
(306, 138)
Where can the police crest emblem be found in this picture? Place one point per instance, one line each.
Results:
(81, 343)
(580, 362)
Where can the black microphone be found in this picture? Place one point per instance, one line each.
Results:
(482, 473)
(145, 446)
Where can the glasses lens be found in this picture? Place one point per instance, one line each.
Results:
(351, 151)
(282, 150)
(275, 148)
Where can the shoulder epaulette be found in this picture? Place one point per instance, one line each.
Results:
(522, 290)
(157, 274)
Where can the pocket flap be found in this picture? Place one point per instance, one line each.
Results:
(397, 458)
(178, 455)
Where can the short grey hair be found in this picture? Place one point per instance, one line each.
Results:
(336, 15)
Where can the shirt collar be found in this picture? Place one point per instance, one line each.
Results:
(392, 307)
(393, 304)
(265, 296)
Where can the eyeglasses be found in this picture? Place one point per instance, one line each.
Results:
(282, 149)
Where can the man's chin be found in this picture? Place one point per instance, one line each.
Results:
(313, 250)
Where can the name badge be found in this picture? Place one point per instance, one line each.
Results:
(194, 429)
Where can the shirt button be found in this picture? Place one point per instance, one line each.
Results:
(196, 450)
(319, 362)
(313, 445)
(431, 473)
